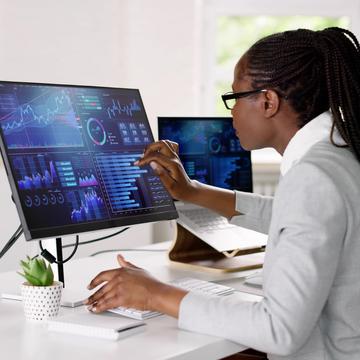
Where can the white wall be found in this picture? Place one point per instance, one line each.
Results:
(126, 43)
(163, 59)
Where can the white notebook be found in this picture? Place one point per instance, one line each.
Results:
(103, 326)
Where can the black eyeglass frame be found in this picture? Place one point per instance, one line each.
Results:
(231, 95)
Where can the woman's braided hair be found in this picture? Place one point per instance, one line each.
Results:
(316, 71)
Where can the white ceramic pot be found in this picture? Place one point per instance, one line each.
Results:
(41, 302)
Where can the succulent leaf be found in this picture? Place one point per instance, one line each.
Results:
(48, 278)
(33, 280)
(21, 274)
(42, 264)
(24, 264)
(36, 268)
(36, 272)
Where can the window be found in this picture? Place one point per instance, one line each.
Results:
(231, 27)
(235, 34)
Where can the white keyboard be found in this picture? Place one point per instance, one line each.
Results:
(206, 220)
(189, 284)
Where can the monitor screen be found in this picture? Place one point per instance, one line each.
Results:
(209, 150)
(69, 154)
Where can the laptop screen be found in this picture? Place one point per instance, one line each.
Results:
(209, 150)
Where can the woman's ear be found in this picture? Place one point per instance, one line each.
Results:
(271, 103)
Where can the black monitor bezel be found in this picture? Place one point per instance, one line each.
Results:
(203, 118)
(56, 231)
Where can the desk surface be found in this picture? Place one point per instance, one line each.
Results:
(161, 340)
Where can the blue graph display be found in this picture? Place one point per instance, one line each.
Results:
(88, 180)
(70, 152)
(120, 178)
(44, 199)
(86, 205)
(191, 136)
(47, 120)
(116, 108)
(96, 131)
(229, 170)
(35, 172)
(210, 151)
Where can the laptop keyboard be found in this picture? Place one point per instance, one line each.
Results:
(190, 284)
(205, 219)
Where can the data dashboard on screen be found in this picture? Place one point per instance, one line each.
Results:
(69, 152)
(209, 150)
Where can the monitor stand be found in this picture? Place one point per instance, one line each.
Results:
(59, 257)
(69, 298)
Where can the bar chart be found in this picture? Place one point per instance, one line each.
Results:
(120, 178)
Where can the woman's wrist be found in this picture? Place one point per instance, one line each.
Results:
(193, 192)
(166, 299)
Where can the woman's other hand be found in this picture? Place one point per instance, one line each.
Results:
(132, 287)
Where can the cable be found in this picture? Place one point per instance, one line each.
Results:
(14, 239)
(98, 239)
(11, 241)
(120, 250)
(51, 258)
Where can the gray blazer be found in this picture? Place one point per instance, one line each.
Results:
(311, 305)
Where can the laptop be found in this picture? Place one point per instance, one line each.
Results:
(212, 154)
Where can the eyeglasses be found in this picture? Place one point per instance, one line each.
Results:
(230, 98)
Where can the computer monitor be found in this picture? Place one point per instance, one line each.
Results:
(69, 153)
(209, 150)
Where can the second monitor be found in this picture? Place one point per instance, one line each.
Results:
(209, 150)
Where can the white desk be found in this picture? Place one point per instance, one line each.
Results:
(161, 339)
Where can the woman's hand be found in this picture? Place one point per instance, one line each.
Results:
(163, 157)
(133, 287)
(127, 286)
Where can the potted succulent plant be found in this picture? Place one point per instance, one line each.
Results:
(41, 295)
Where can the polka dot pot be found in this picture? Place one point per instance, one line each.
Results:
(41, 302)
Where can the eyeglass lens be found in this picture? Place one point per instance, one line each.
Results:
(231, 103)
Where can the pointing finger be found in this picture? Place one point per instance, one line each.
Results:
(173, 145)
(161, 146)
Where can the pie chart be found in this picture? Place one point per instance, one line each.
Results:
(96, 131)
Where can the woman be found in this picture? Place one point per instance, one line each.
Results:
(283, 89)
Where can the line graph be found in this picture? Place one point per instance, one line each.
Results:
(118, 109)
(86, 205)
(48, 120)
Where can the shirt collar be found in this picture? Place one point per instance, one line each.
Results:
(314, 131)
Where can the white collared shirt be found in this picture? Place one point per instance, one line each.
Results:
(314, 131)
